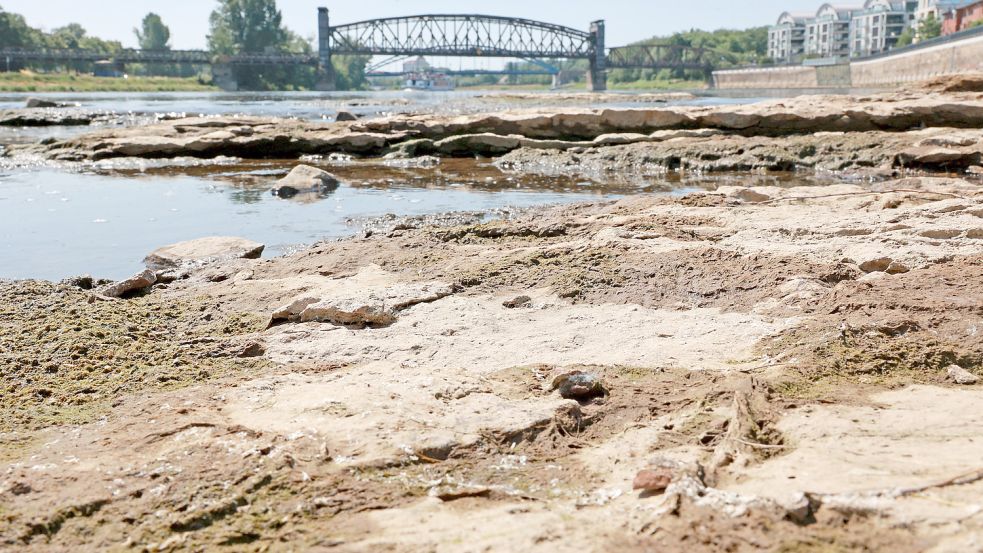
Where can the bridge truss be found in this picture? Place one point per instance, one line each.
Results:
(460, 35)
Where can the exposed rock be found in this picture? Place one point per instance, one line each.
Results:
(40, 117)
(345, 116)
(85, 282)
(305, 179)
(134, 284)
(482, 144)
(653, 480)
(42, 103)
(620, 138)
(751, 196)
(520, 301)
(968, 82)
(453, 493)
(371, 299)
(961, 376)
(883, 265)
(203, 251)
(20, 488)
(676, 128)
(577, 384)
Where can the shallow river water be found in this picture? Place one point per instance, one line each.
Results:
(58, 221)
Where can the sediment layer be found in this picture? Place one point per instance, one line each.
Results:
(751, 353)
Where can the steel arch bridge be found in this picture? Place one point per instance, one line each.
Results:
(460, 35)
(468, 35)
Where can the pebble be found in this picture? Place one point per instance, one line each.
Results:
(653, 480)
(961, 376)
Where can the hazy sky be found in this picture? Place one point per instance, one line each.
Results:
(627, 20)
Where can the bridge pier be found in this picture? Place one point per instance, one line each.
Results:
(325, 69)
(224, 76)
(597, 78)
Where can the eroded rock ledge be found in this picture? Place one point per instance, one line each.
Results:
(900, 130)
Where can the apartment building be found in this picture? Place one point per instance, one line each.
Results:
(828, 34)
(842, 31)
(962, 18)
(787, 39)
(938, 8)
(878, 25)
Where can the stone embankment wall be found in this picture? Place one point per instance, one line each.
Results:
(953, 58)
(763, 78)
(946, 58)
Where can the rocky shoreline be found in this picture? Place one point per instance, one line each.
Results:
(753, 368)
(889, 133)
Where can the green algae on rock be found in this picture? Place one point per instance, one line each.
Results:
(64, 360)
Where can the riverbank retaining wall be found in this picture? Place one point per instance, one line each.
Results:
(948, 57)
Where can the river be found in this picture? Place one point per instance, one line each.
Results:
(58, 221)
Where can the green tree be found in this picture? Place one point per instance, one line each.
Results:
(239, 26)
(906, 38)
(350, 72)
(16, 33)
(929, 27)
(153, 34)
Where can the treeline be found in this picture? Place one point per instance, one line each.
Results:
(235, 26)
(16, 33)
(729, 47)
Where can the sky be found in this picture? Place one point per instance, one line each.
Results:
(627, 20)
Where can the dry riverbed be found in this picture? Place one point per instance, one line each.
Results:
(754, 368)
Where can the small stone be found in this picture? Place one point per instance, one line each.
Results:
(975, 170)
(520, 301)
(460, 492)
(252, 349)
(304, 178)
(345, 116)
(578, 385)
(134, 284)
(653, 480)
(884, 265)
(21, 488)
(799, 509)
(751, 196)
(39, 103)
(961, 376)
(84, 282)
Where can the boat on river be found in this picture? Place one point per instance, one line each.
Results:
(429, 82)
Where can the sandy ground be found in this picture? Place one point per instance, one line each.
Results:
(780, 355)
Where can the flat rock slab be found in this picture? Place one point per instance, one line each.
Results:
(371, 298)
(381, 412)
(912, 437)
(483, 335)
(204, 251)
